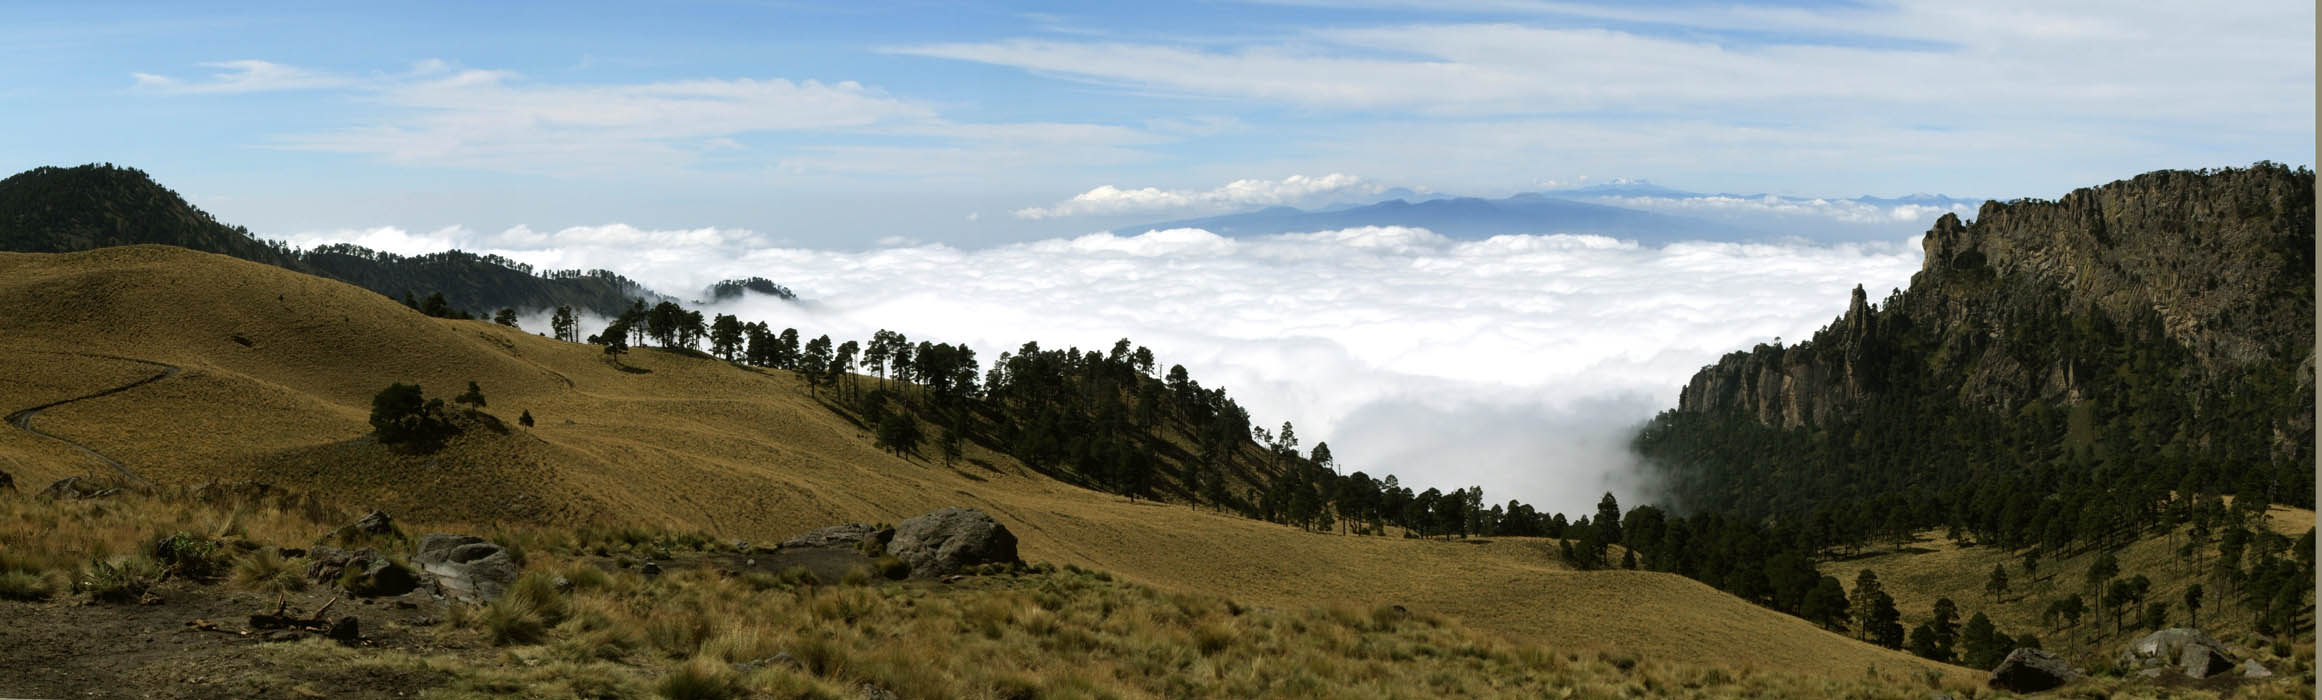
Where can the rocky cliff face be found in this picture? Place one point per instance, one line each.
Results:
(2219, 263)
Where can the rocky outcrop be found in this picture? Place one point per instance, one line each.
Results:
(847, 535)
(2222, 260)
(949, 540)
(468, 568)
(2184, 650)
(73, 488)
(362, 572)
(2030, 671)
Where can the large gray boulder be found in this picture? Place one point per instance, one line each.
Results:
(2188, 651)
(2030, 670)
(468, 568)
(948, 540)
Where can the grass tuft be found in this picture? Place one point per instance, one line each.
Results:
(699, 679)
(265, 571)
(525, 611)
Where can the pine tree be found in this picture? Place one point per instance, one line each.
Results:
(526, 419)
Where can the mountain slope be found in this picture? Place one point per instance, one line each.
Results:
(279, 368)
(52, 210)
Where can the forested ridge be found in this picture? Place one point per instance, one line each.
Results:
(2061, 379)
(55, 210)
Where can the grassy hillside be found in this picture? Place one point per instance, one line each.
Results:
(1929, 567)
(278, 370)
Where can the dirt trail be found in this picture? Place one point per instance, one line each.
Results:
(23, 419)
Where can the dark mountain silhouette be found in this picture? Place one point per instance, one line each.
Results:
(54, 210)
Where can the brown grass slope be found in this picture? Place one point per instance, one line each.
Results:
(279, 368)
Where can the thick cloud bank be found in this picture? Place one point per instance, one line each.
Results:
(1518, 363)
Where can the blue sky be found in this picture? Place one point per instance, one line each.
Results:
(838, 125)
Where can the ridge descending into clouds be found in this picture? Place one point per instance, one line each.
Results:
(1518, 363)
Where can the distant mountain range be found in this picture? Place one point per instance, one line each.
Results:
(55, 210)
(1471, 218)
(1637, 211)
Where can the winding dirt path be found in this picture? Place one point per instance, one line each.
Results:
(23, 419)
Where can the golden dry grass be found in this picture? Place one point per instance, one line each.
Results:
(697, 444)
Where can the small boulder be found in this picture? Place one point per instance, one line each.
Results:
(2030, 671)
(73, 488)
(948, 540)
(2189, 651)
(2253, 669)
(469, 568)
(847, 535)
(374, 526)
(363, 572)
(347, 630)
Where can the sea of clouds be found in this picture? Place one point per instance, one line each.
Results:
(1518, 363)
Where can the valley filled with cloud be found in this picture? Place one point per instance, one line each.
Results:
(1518, 363)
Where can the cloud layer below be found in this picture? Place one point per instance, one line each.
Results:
(1518, 363)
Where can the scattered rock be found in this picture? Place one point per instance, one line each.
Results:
(847, 535)
(231, 492)
(873, 692)
(469, 568)
(347, 630)
(363, 572)
(650, 569)
(2253, 669)
(948, 540)
(376, 525)
(2031, 671)
(73, 488)
(2189, 651)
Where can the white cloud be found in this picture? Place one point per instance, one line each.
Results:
(242, 76)
(496, 120)
(1517, 363)
(1108, 199)
(1914, 61)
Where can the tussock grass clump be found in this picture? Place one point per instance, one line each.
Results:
(858, 576)
(265, 571)
(21, 579)
(26, 585)
(525, 611)
(699, 679)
